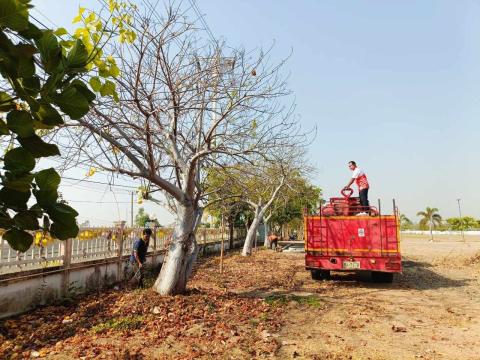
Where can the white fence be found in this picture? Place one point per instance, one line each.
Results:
(92, 244)
(436, 232)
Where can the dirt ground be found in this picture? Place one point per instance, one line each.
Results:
(267, 306)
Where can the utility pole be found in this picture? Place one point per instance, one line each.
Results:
(461, 219)
(131, 209)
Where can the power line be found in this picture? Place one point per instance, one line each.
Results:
(98, 202)
(100, 182)
(202, 20)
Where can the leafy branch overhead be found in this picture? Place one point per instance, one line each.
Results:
(41, 81)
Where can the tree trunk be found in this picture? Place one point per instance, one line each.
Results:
(252, 233)
(431, 229)
(267, 231)
(181, 254)
(230, 236)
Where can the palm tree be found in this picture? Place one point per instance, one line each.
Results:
(404, 221)
(431, 217)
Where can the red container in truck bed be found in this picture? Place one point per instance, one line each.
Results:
(352, 243)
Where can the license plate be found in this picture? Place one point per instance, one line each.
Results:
(351, 264)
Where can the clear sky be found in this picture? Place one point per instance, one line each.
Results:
(394, 86)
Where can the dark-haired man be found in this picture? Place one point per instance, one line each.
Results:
(360, 178)
(139, 254)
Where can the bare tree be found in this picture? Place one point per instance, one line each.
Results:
(185, 105)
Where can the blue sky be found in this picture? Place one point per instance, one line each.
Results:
(392, 85)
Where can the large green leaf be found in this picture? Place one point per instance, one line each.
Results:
(6, 221)
(78, 56)
(21, 123)
(31, 85)
(18, 239)
(48, 115)
(19, 160)
(62, 213)
(26, 220)
(37, 147)
(64, 223)
(21, 183)
(46, 198)
(50, 51)
(64, 231)
(37, 210)
(84, 90)
(31, 32)
(72, 102)
(13, 14)
(26, 65)
(15, 200)
(47, 179)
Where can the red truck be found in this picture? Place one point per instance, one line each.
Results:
(344, 236)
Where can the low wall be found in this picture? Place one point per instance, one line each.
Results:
(23, 291)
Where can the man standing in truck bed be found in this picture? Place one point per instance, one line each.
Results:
(360, 178)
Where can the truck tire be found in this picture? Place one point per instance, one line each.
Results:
(382, 277)
(320, 274)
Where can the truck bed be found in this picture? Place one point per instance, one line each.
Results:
(352, 243)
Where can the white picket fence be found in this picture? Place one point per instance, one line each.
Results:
(102, 243)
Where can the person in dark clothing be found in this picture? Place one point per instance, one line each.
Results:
(139, 255)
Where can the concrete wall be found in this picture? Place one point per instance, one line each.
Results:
(21, 292)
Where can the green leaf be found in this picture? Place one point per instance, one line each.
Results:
(3, 128)
(22, 183)
(67, 44)
(62, 212)
(13, 14)
(25, 64)
(50, 51)
(31, 85)
(15, 200)
(84, 90)
(60, 31)
(64, 223)
(37, 210)
(95, 83)
(78, 56)
(31, 32)
(26, 220)
(46, 198)
(114, 71)
(64, 231)
(18, 239)
(19, 161)
(48, 115)
(72, 102)
(6, 102)
(47, 179)
(6, 221)
(37, 147)
(108, 88)
(21, 123)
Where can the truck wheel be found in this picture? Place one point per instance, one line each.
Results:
(320, 274)
(382, 277)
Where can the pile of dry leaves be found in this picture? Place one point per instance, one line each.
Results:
(221, 316)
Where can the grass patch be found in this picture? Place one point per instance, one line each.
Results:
(281, 300)
(123, 323)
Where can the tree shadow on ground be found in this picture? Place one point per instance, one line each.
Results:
(417, 275)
